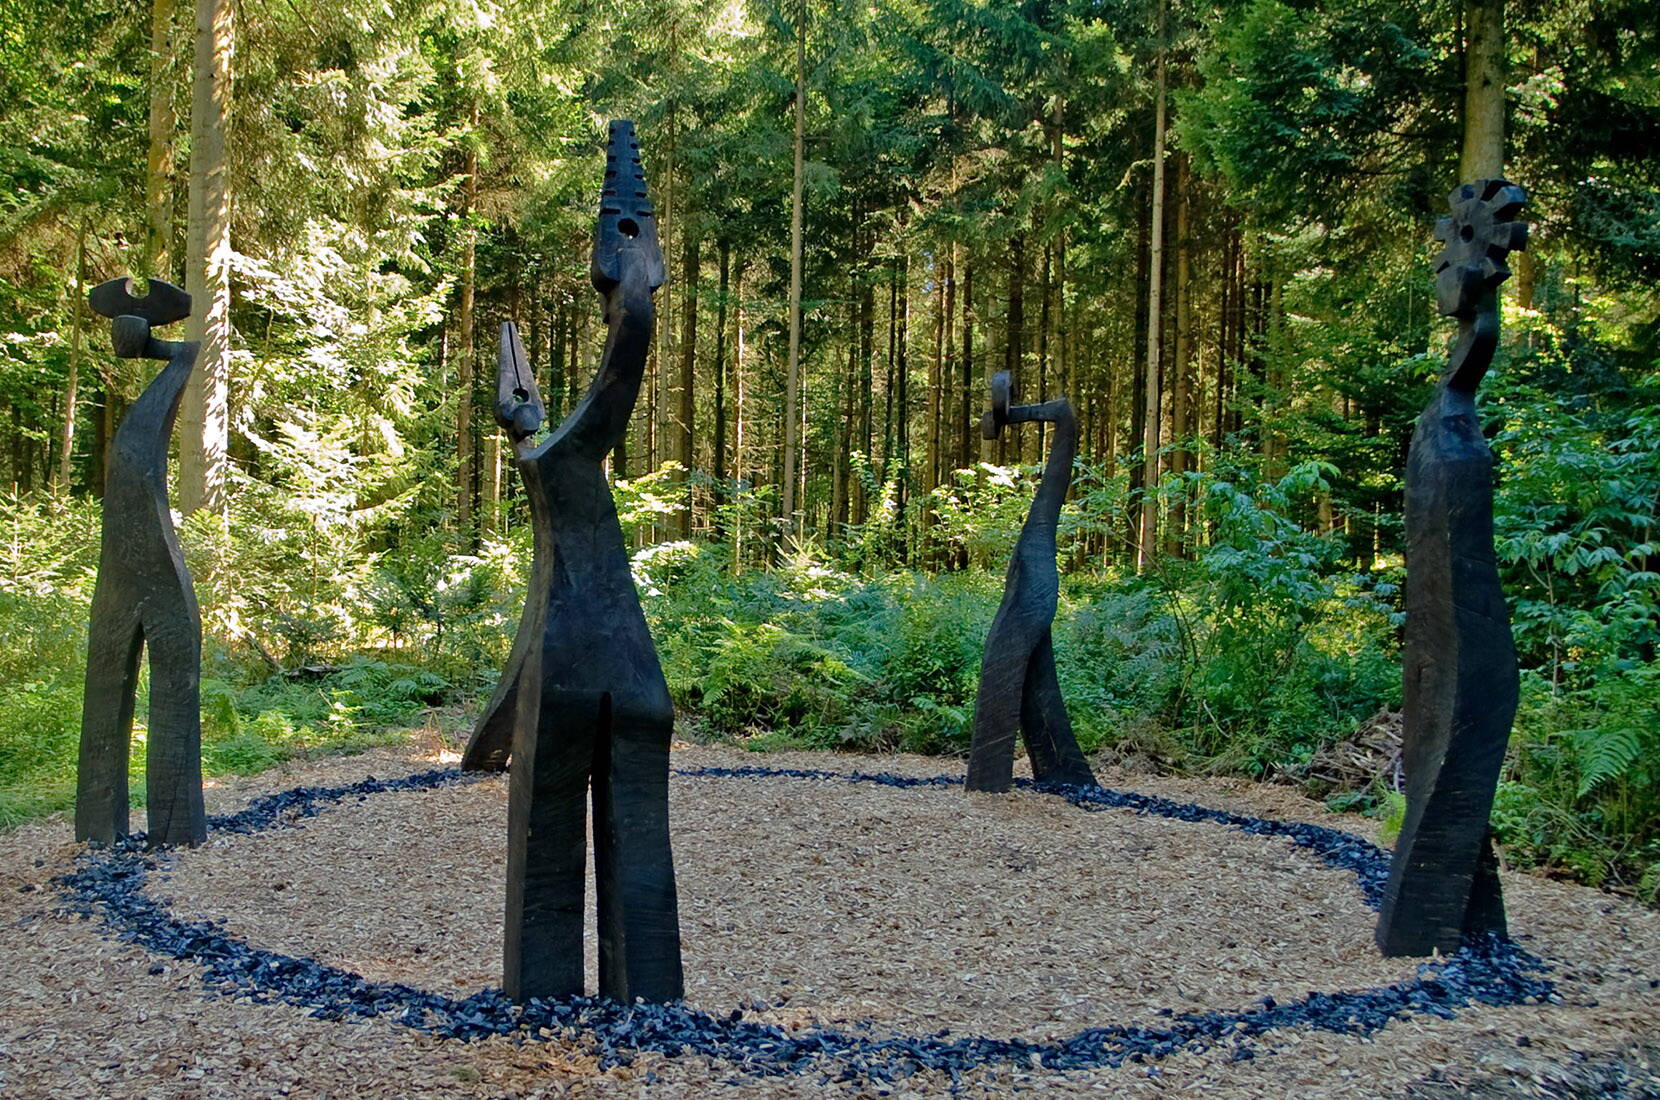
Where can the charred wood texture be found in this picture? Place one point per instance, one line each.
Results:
(582, 709)
(143, 599)
(1459, 661)
(1018, 688)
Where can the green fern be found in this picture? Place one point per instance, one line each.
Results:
(1603, 754)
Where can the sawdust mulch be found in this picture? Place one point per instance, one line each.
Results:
(808, 902)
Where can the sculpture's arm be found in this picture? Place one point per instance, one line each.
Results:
(519, 408)
(1057, 468)
(598, 422)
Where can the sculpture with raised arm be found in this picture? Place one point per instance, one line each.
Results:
(1459, 661)
(1018, 689)
(590, 709)
(143, 599)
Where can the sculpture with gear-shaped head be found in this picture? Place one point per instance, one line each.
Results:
(1459, 662)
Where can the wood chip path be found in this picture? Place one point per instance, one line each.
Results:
(807, 903)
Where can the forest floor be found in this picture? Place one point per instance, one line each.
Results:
(808, 903)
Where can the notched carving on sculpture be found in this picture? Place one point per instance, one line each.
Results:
(1018, 689)
(1459, 661)
(583, 705)
(143, 600)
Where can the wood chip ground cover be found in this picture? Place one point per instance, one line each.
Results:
(808, 903)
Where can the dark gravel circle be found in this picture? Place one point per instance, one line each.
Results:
(110, 884)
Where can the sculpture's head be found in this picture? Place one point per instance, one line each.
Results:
(626, 237)
(996, 418)
(1479, 237)
(133, 317)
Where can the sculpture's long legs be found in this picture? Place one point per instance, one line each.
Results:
(1440, 880)
(1045, 725)
(639, 924)
(173, 757)
(996, 713)
(547, 849)
(107, 719)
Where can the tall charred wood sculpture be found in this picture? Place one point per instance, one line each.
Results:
(143, 599)
(589, 707)
(1459, 661)
(1018, 689)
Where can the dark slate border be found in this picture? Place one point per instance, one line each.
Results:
(110, 884)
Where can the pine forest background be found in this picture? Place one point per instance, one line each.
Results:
(1207, 224)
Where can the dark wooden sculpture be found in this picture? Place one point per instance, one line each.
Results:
(1460, 663)
(143, 599)
(1018, 689)
(590, 710)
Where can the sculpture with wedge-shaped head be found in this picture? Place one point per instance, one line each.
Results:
(582, 710)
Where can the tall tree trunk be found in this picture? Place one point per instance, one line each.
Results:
(719, 463)
(157, 256)
(1146, 543)
(902, 273)
(1219, 423)
(948, 366)
(77, 344)
(204, 423)
(1181, 401)
(1134, 402)
(465, 474)
(888, 464)
(933, 463)
(1045, 343)
(967, 453)
(792, 381)
(741, 420)
(1014, 352)
(867, 320)
(841, 456)
(691, 265)
(1484, 83)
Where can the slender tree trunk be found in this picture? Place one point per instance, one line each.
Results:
(1045, 343)
(77, 345)
(1484, 84)
(691, 265)
(204, 422)
(792, 382)
(1181, 411)
(841, 458)
(719, 463)
(466, 474)
(1146, 543)
(1014, 353)
(740, 426)
(967, 453)
(934, 462)
(867, 320)
(948, 366)
(888, 464)
(1134, 403)
(157, 257)
(902, 272)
